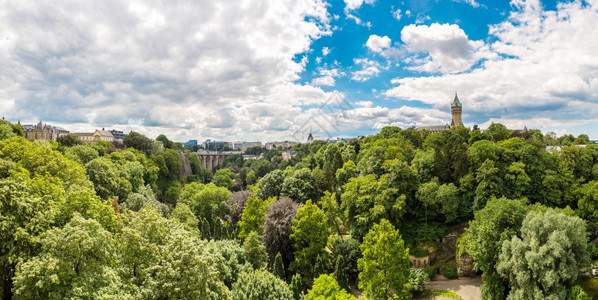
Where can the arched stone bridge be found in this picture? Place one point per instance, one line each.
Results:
(212, 159)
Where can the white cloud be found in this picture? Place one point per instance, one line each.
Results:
(325, 51)
(470, 2)
(188, 68)
(377, 43)
(324, 80)
(369, 69)
(356, 4)
(358, 21)
(544, 67)
(396, 14)
(447, 47)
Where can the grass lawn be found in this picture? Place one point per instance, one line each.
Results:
(591, 287)
(442, 293)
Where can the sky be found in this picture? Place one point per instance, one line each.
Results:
(278, 69)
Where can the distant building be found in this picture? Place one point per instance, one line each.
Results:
(216, 145)
(117, 134)
(94, 137)
(43, 131)
(456, 112)
(243, 146)
(190, 144)
(287, 155)
(284, 144)
(310, 138)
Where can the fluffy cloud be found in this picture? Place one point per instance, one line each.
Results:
(447, 47)
(369, 69)
(377, 43)
(396, 14)
(324, 80)
(187, 68)
(356, 4)
(546, 63)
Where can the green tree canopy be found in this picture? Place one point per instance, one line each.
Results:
(384, 267)
(545, 261)
(309, 238)
(325, 287)
(260, 285)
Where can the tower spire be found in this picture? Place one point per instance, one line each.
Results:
(456, 110)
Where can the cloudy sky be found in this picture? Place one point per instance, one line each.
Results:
(275, 70)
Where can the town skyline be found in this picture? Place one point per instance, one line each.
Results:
(347, 68)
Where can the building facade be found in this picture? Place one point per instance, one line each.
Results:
(96, 136)
(243, 146)
(117, 134)
(43, 131)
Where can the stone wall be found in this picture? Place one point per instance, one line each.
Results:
(465, 265)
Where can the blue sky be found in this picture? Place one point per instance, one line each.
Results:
(275, 70)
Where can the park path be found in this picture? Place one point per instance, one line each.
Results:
(467, 288)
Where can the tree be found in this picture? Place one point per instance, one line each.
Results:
(497, 132)
(165, 141)
(348, 171)
(237, 205)
(588, 202)
(299, 186)
(159, 259)
(81, 153)
(384, 267)
(252, 219)
(340, 274)
(104, 175)
(225, 178)
(208, 202)
(296, 287)
(348, 248)
(185, 216)
(278, 228)
(496, 222)
(448, 197)
(489, 184)
(77, 261)
(325, 287)
(309, 238)
(427, 195)
(69, 140)
(367, 200)
(144, 197)
(333, 212)
(270, 185)
(545, 261)
(260, 285)
(139, 142)
(516, 180)
(423, 161)
(255, 252)
(278, 268)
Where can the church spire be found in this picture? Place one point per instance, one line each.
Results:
(456, 101)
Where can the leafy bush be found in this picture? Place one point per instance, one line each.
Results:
(450, 272)
(593, 249)
(577, 293)
(430, 271)
(417, 280)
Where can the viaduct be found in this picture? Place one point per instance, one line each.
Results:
(212, 159)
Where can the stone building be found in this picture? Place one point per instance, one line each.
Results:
(456, 111)
(94, 137)
(43, 131)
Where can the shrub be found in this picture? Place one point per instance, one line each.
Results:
(450, 272)
(430, 271)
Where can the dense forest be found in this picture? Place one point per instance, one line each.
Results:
(118, 221)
